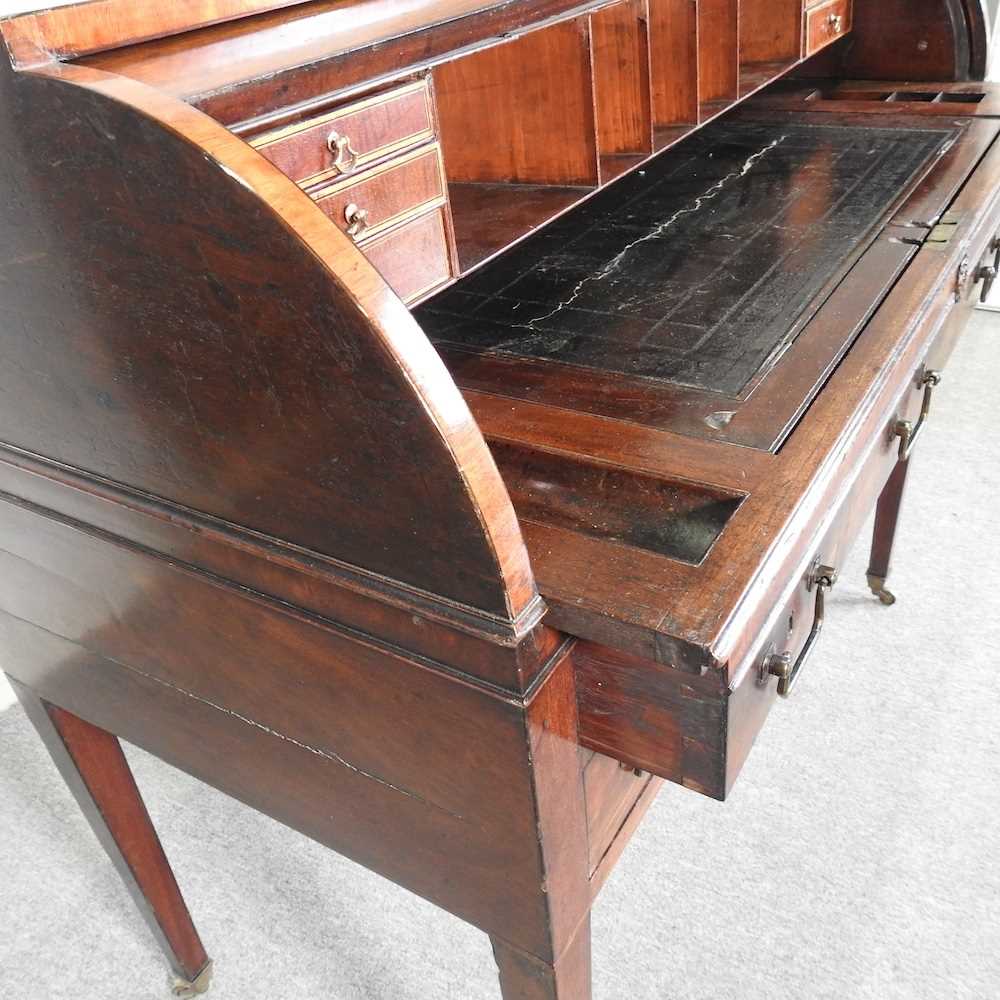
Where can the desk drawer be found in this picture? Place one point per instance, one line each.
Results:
(694, 729)
(826, 23)
(384, 196)
(343, 141)
(414, 257)
(691, 728)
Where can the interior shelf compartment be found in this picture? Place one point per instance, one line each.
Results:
(575, 104)
(718, 55)
(770, 41)
(753, 76)
(619, 44)
(490, 217)
(668, 135)
(521, 112)
(519, 134)
(673, 45)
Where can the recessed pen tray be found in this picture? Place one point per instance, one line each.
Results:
(670, 517)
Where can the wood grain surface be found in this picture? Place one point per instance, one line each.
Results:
(229, 350)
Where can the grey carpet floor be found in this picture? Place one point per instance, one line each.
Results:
(857, 858)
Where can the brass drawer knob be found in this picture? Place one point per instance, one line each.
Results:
(345, 157)
(357, 221)
(836, 23)
(777, 665)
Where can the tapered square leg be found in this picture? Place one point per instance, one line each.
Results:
(525, 977)
(884, 535)
(93, 765)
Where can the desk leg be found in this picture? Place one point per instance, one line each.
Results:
(886, 520)
(552, 962)
(93, 765)
(524, 977)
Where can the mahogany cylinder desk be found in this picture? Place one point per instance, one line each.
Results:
(437, 424)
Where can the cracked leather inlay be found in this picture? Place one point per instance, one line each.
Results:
(696, 269)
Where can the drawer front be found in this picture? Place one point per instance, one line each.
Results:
(826, 23)
(413, 258)
(755, 695)
(666, 721)
(611, 790)
(692, 729)
(385, 195)
(343, 141)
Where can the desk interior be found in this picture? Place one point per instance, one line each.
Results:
(700, 269)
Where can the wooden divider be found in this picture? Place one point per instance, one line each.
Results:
(532, 125)
(770, 40)
(673, 43)
(521, 112)
(718, 55)
(519, 134)
(579, 102)
(620, 54)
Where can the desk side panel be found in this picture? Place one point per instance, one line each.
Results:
(418, 776)
(178, 317)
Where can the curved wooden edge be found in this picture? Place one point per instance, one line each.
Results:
(84, 28)
(391, 323)
(957, 12)
(930, 41)
(978, 19)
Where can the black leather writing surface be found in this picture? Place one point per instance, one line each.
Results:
(694, 270)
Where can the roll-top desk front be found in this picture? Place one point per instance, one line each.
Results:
(437, 424)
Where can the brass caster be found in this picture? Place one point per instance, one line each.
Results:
(186, 990)
(876, 584)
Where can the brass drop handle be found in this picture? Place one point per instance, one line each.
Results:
(836, 22)
(987, 273)
(345, 157)
(904, 429)
(780, 665)
(357, 221)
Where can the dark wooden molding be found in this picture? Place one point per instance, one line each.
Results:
(977, 17)
(80, 29)
(277, 570)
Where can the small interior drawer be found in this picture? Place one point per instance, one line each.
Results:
(366, 205)
(827, 22)
(343, 141)
(414, 258)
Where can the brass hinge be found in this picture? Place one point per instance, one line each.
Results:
(942, 233)
(937, 233)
